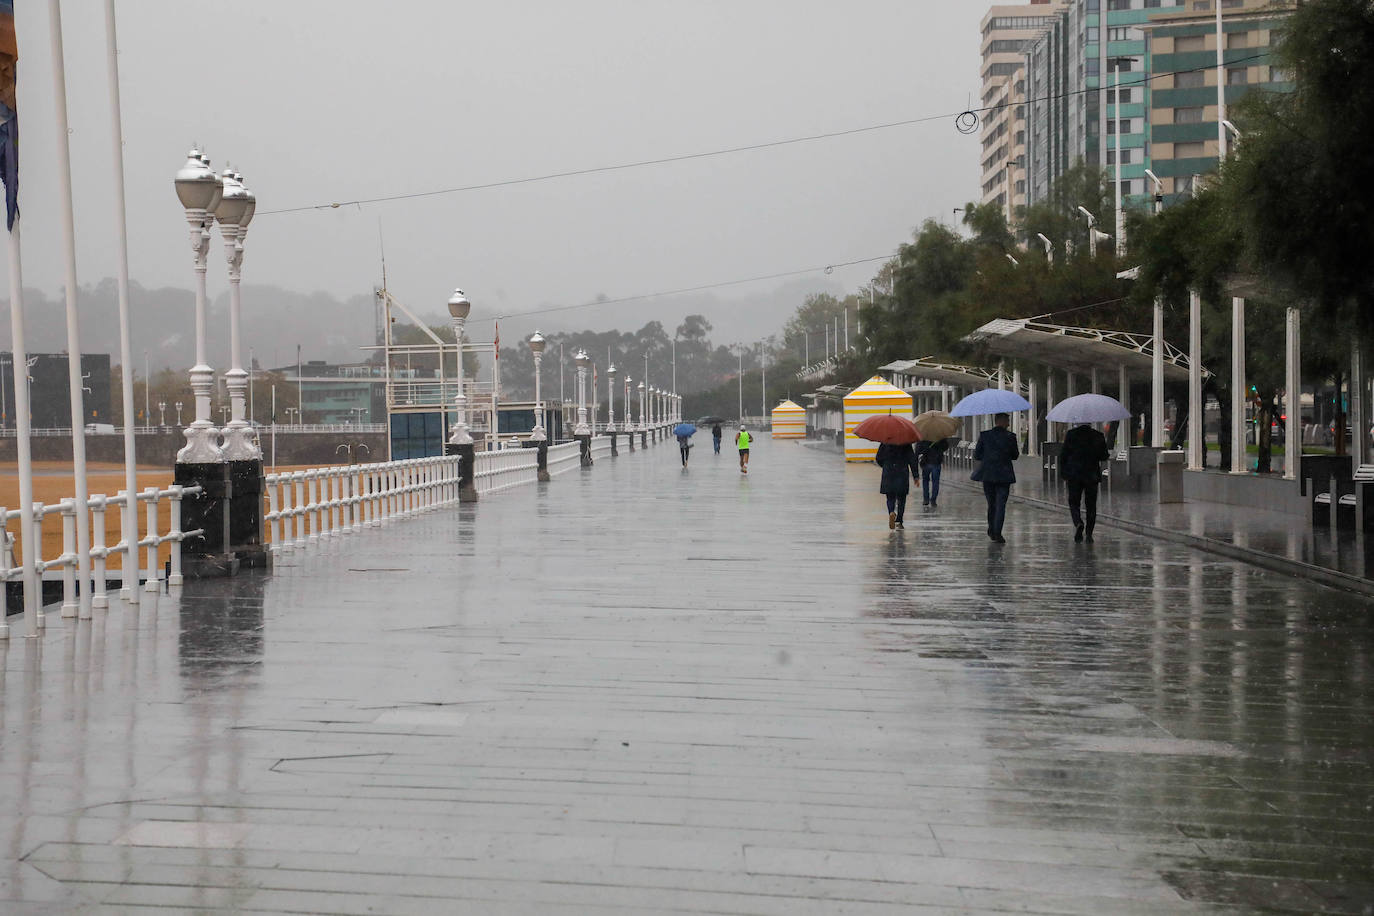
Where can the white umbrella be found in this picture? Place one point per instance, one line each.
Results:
(989, 400)
(1088, 408)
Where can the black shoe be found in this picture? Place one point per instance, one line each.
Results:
(1078, 533)
(900, 526)
(1089, 536)
(933, 505)
(999, 539)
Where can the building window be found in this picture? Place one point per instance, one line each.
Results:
(1188, 150)
(1195, 79)
(1190, 43)
(1237, 76)
(1092, 66)
(1124, 96)
(1188, 115)
(1238, 40)
(1279, 75)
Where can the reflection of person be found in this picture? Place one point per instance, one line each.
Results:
(715, 437)
(931, 455)
(684, 445)
(742, 441)
(897, 461)
(996, 449)
(1079, 468)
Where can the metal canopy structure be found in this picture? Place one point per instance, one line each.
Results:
(973, 377)
(1078, 349)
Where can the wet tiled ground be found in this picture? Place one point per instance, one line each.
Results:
(639, 689)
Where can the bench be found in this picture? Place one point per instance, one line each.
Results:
(1352, 497)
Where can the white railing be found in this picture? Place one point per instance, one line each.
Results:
(601, 445)
(305, 507)
(564, 457)
(67, 563)
(509, 467)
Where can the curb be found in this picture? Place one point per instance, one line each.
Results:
(1331, 577)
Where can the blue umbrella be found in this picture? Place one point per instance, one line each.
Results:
(990, 400)
(1088, 408)
(684, 429)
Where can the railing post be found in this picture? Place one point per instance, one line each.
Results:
(99, 553)
(298, 509)
(153, 539)
(175, 534)
(69, 598)
(128, 521)
(35, 561)
(7, 551)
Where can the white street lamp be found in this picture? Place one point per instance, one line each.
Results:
(643, 417)
(177, 405)
(200, 191)
(162, 411)
(629, 411)
(458, 309)
(583, 361)
(234, 213)
(610, 400)
(1159, 190)
(536, 345)
(1049, 246)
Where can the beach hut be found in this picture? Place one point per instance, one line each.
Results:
(789, 421)
(872, 398)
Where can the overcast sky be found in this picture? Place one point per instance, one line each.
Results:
(318, 101)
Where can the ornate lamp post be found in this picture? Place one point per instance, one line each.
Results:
(610, 400)
(643, 417)
(162, 410)
(200, 192)
(177, 405)
(234, 213)
(583, 361)
(458, 309)
(536, 344)
(629, 411)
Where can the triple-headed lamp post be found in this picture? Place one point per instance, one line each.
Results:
(583, 361)
(537, 344)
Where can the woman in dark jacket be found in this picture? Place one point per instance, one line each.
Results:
(897, 461)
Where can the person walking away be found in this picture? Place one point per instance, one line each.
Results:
(931, 456)
(742, 441)
(996, 449)
(897, 461)
(1080, 468)
(715, 437)
(684, 445)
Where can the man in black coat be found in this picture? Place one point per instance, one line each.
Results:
(897, 461)
(1079, 468)
(996, 449)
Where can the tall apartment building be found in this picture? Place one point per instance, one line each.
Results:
(1110, 79)
(1007, 30)
(1184, 131)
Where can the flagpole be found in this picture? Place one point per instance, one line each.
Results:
(29, 546)
(129, 518)
(78, 409)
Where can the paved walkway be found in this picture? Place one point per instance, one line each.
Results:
(643, 690)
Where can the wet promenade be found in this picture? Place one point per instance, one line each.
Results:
(642, 690)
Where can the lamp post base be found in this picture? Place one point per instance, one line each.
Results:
(467, 454)
(206, 555)
(584, 448)
(246, 514)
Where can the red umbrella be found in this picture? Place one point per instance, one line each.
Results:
(888, 429)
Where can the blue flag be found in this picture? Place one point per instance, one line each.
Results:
(9, 118)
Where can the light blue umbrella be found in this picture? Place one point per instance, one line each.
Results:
(988, 401)
(1088, 408)
(684, 429)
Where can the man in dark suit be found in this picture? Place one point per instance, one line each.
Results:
(996, 449)
(1079, 468)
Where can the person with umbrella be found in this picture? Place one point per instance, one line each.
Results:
(935, 427)
(996, 450)
(684, 433)
(895, 456)
(1083, 451)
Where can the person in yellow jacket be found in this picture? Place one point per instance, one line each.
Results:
(742, 442)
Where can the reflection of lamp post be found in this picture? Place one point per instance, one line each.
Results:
(536, 345)
(458, 309)
(200, 191)
(611, 373)
(583, 361)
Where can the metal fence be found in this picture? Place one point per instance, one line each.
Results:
(507, 468)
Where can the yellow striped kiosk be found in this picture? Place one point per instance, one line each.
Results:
(873, 398)
(789, 421)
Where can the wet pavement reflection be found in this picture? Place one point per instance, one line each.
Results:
(640, 688)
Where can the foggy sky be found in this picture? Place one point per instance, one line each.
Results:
(330, 100)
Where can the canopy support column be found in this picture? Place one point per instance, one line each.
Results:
(1126, 428)
(1292, 397)
(1359, 409)
(1095, 382)
(1197, 429)
(1033, 438)
(1238, 457)
(1017, 420)
(1049, 405)
(1157, 378)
